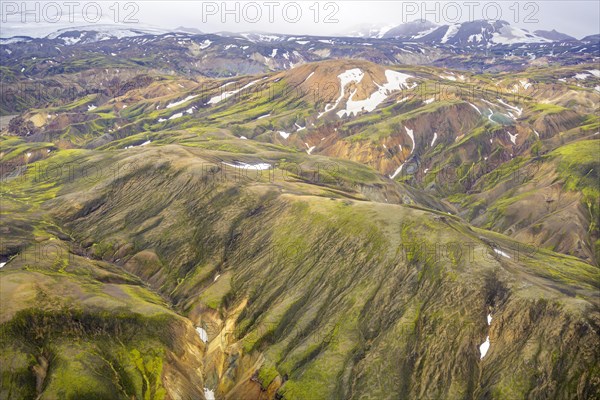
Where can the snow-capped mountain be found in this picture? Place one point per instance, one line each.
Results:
(103, 30)
(98, 33)
(226, 54)
(480, 33)
(372, 31)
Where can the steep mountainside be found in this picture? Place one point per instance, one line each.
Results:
(304, 290)
(244, 217)
(452, 134)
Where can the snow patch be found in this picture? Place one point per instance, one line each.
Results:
(434, 138)
(448, 77)
(202, 333)
(308, 77)
(500, 252)
(484, 347)
(255, 167)
(226, 95)
(351, 75)
(424, 33)
(510, 35)
(209, 394)
(412, 137)
(517, 109)
(180, 102)
(71, 40)
(147, 142)
(398, 170)
(475, 107)
(395, 82)
(595, 72)
(475, 38)
(452, 30)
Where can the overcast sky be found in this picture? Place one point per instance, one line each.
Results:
(576, 18)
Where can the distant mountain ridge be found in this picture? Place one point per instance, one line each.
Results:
(465, 33)
(478, 33)
(554, 35)
(471, 33)
(465, 46)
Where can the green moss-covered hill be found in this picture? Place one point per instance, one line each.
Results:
(172, 236)
(306, 289)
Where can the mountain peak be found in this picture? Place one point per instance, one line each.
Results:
(482, 32)
(554, 35)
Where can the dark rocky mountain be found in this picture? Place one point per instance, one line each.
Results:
(591, 39)
(475, 46)
(482, 34)
(554, 35)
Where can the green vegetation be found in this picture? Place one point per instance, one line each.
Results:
(579, 167)
(548, 108)
(320, 271)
